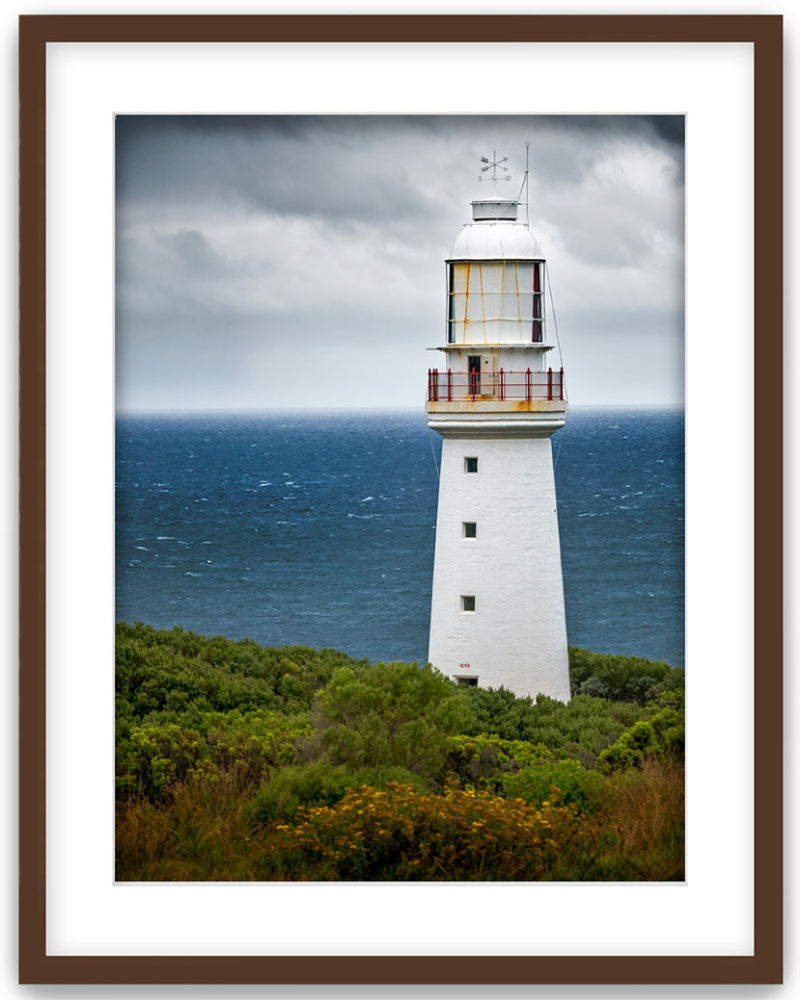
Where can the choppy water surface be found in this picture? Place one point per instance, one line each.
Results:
(318, 529)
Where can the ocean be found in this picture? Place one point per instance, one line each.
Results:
(318, 529)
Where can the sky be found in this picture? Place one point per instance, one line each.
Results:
(298, 262)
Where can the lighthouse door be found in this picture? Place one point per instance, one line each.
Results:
(474, 362)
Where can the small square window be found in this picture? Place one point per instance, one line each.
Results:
(467, 681)
(470, 465)
(470, 529)
(467, 602)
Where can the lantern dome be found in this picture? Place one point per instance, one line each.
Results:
(495, 234)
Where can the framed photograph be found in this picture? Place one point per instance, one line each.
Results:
(353, 119)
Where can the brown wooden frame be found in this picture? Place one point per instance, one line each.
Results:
(765, 966)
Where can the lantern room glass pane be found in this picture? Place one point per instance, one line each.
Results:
(461, 304)
(471, 306)
(525, 300)
(460, 278)
(510, 277)
(491, 278)
(456, 332)
(524, 276)
(510, 308)
(496, 301)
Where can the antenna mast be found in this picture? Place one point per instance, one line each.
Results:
(527, 199)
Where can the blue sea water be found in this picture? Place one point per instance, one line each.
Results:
(318, 529)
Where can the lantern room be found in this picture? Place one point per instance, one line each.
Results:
(495, 279)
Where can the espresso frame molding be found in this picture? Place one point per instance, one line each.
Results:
(765, 965)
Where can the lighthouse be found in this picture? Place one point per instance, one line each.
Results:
(497, 604)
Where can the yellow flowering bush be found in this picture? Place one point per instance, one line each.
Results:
(398, 834)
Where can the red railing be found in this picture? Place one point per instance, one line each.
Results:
(449, 386)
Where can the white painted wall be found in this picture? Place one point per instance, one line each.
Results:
(534, 356)
(517, 635)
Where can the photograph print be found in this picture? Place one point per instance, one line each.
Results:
(399, 498)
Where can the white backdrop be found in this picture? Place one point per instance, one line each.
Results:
(87, 84)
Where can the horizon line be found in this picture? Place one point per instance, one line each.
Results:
(362, 409)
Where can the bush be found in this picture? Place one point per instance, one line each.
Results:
(388, 715)
(398, 834)
(662, 737)
(480, 761)
(500, 712)
(161, 673)
(562, 781)
(581, 728)
(157, 757)
(620, 678)
(318, 784)
(152, 758)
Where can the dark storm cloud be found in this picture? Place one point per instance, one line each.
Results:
(290, 166)
(663, 128)
(670, 128)
(333, 166)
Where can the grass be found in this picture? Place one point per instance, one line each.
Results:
(205, 831)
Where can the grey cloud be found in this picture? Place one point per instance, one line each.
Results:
(193, 254)
(302, 167)
(367, 167)
(171, 276)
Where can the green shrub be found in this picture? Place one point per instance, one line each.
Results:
(563, 782)
(585, 725)
(480, 761)
(582, 728)
(390, 714)
(661, 737)
(152, 758)
(161, 673)
(620, 678)
(318, 784)
(500, 712)
(157, 757)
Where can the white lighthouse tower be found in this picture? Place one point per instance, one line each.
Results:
(497, 607)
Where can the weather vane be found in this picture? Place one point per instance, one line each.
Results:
(493, 165)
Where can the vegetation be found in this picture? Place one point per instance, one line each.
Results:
(238, 762)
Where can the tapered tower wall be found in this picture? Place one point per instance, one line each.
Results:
(513, 633)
